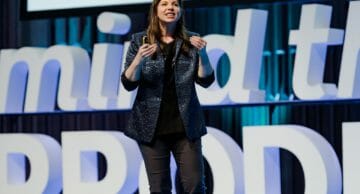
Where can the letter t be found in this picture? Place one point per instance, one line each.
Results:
(312, 39)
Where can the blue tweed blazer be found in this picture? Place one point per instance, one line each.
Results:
(145, 111)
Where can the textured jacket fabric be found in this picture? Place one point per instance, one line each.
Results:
(145, 111)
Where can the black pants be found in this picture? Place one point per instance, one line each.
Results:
(189, 160)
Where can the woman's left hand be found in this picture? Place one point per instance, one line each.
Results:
(205, 68)
(198, 43)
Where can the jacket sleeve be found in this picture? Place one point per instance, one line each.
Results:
(202, 81)
(130, 55)
(205, 81)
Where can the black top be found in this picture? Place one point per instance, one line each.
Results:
(169, 121)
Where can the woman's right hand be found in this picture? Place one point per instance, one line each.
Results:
(146, 50)
(133, 71)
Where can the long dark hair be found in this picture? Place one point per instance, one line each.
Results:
(154, 32)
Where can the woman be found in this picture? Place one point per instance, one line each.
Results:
(163, 63)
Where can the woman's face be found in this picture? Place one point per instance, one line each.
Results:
(168, 11)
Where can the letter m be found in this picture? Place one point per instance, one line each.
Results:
(30, 78)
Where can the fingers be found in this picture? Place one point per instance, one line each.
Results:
(198, 42)
(147, 50)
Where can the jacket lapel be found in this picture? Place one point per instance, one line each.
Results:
(178, 44)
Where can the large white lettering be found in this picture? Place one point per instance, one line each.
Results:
(80, 162)
(244, 50)
(44, 155)
(255, 171)
(80, 173)
(351, 157)
(42, 67)
(349, 79)
(103, 90)
(311, 40)
(261, 158)
(226, 161)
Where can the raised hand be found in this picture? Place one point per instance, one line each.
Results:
(198, 42)
(205, 68)
(146, 50)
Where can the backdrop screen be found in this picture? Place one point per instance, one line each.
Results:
(46, 5)
(60, 8)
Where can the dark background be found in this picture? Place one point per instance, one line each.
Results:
(325, 117)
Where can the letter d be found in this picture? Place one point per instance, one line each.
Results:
(80, 162)
(44, 155)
